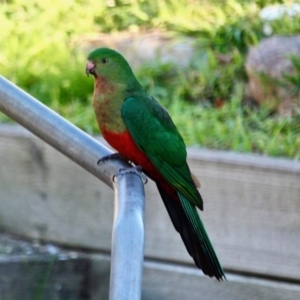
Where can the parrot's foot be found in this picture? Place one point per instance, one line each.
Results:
(136, 170)
(110, 156)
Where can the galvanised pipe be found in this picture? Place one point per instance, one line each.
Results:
(56, 131)
(128, 234)
(128, 229)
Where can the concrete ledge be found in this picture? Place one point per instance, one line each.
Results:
(252, 210)
(33, 271)
(49, 272)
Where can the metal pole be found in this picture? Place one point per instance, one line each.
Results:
(128, 233)
(128, 229)
(56, 131)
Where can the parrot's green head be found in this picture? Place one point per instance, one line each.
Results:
(109, 65)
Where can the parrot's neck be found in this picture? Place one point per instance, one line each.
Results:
(108, 99)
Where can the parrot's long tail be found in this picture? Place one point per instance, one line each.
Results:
(188, 223)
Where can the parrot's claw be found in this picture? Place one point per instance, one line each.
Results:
(110, 156)
(136, 170)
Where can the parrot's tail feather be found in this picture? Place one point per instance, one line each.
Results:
(187, 222)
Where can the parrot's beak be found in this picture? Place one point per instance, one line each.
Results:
(90, 68)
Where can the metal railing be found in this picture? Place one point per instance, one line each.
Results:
(128, 228)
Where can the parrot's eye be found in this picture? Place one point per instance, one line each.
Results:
(104, 60)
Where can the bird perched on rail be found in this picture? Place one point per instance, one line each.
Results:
(142, 131)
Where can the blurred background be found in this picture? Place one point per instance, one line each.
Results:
(229, 74)
(190, 55)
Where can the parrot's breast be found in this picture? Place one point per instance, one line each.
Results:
(126, 146)
(108, 115)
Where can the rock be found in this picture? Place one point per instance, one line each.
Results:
(140, 48)
(266, 65)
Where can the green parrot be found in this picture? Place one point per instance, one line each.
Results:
(142, 131)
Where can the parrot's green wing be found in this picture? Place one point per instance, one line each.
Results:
(155, 134)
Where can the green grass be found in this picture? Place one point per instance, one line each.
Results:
(41, 50)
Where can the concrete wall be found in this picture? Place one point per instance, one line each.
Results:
(251, 206)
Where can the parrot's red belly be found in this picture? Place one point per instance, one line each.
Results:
(126, 146)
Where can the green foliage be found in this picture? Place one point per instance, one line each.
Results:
(204, 79)
(36, 50)
(234, 127)
(263, 3)
(42, 50)
(292, 81)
